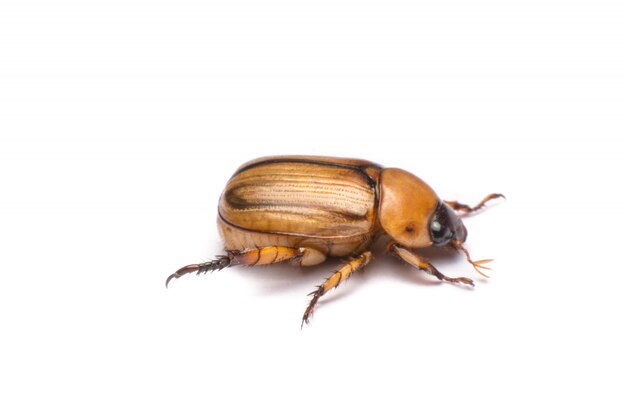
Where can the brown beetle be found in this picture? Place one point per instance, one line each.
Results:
(303, 209)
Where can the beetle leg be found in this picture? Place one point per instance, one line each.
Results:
(252, 257)
(465, 209)
(334, 280)
(265, 256)
(422, 263)
(220, 263)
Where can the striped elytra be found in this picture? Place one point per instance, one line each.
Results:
(331, 203)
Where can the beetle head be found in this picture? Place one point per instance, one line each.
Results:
(446, 227)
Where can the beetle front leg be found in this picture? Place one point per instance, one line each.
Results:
(334, 280)
(422, 263)
(465, 209)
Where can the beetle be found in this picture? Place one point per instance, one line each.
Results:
(305, 209)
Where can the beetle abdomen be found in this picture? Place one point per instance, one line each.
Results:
(305, 196)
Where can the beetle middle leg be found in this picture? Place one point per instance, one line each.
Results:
(422, 263)
(465, 209)
(252, 257)
(334, 280)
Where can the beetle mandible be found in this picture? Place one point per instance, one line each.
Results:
(304, 209)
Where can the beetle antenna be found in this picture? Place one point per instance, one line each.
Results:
(478, 265)
(218, 264)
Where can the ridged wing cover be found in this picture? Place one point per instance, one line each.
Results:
(304, 196)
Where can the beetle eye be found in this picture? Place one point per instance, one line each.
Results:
(438, 233)
(440, 230)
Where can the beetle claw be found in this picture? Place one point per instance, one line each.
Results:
(171, 277)
(182, 271)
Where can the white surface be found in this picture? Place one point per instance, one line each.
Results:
(120, 122)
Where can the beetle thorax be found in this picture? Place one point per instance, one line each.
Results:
(406, 206)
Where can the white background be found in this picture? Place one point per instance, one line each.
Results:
(121, 121)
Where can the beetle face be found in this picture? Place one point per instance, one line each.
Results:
(446, 226)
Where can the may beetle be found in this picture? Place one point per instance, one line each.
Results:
(303, 209)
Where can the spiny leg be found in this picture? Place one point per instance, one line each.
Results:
(249, 257)
(220, 263)
(334, 280)
(465, 209)
(422, 263)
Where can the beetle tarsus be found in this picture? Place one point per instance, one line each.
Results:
(309, 309)
(217, 264)
(459, 280)
(221, 262)
(466, 209)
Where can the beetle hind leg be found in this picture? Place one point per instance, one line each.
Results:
(252, 257)
(221, 262)
(334, 280)
(465, 209)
